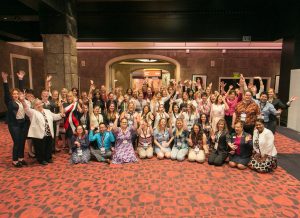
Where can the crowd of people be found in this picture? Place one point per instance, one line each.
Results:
(183, 120)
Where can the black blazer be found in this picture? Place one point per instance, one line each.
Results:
(12, 106)
(245, 148)
(222, 143)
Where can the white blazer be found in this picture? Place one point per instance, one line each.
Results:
(37, 122)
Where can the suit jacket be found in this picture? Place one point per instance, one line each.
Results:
(37, 125)
(245, 148)
(12, 106)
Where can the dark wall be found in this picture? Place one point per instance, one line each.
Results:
(5, 66)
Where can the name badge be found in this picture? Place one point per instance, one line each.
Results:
(125, 141)
(79, 151)
(216, 146)
(145, 145)
(102, 150)
(243, 116)
(197, 149)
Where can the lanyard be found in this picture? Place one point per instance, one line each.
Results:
(102, 139)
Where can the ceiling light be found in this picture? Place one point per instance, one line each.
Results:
(146, 60)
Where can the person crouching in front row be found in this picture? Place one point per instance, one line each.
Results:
(240, 143)
(41, 129)
(103, 138)
(198, 146)
(80, 146)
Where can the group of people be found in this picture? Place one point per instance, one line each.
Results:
(182, 120)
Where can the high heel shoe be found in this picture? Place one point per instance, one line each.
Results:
(31, 155)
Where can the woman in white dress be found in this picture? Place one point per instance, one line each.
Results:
(217, 111)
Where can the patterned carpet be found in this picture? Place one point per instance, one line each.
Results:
(149, 188)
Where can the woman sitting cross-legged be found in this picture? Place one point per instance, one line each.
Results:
(198, 146)
(264, 158)
(162, 140)
(180, 147)
(241, 144)
(219, 151)
(145, 132)
(101, 150)
(80, 146)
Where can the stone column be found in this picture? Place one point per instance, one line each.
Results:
(60, 60)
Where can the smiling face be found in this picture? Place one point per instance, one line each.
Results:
(102, 128)
(196, 129)
(259, 126)
(247, 96)
(221, 125)
(238, 128)
(96, 110)
(38, 105)
(179, 124)
(79, 130)
(15, 95)
(124, 123)
(263, 98)
(203, 118)
(162, 123)
(55, 95)
(70, 97)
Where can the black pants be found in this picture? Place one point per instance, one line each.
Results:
(249, 129)
(43, 148)
(217, 158)
(228, 120)
(18, 133)
(271, 125)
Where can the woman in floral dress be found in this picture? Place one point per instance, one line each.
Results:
(124, 152)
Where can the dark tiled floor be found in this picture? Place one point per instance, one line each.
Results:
(149, 188)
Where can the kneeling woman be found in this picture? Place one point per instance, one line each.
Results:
(80, 146)
(219, 141)
(124, 152)
(145, 132)
(264, 155)
(241, 144)
(198, 146)
(180, 147)
(162, 140)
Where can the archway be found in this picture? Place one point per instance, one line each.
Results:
(110, 76)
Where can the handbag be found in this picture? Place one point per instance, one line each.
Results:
(262, 164)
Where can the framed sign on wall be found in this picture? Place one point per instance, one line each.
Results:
(200, 79)
(21, 62)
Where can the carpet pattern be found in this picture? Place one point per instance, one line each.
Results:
(148, 188)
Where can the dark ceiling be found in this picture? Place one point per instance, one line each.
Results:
(150, 20)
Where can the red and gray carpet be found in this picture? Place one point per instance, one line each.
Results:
(149, 188)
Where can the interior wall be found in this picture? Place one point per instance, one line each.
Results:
(249, 62)
(212, 63)
(5, 66)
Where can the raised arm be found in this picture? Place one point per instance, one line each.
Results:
(7, 97)
(21, 75)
